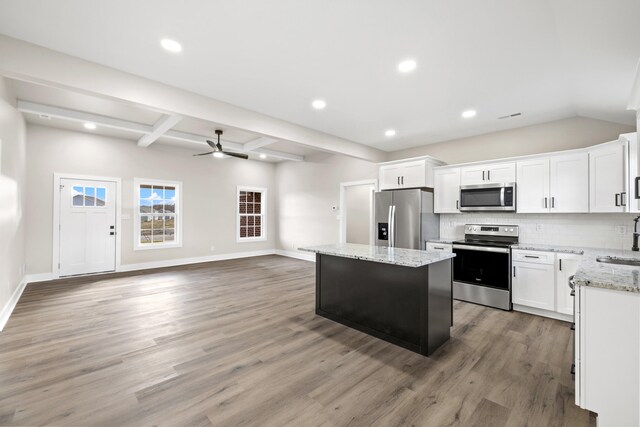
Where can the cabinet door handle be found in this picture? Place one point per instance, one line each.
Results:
(623, 196)
(402, 180)
(553, 202)
(488, 175)
(545, 202)
(617, 200)
(531, 256)
(514, 271)
(438, 248)
(398, 180)
(457, 204)
(560, 264)
(483, 175)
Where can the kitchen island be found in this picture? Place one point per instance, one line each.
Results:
(402, 296)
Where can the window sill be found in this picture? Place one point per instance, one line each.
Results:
(151, 246)
(250, 239)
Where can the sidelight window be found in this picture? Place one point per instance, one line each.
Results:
(158, 215)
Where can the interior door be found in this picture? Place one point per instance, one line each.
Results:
(87, 226)
(407, 205)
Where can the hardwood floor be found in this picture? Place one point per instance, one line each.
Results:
(237, 343)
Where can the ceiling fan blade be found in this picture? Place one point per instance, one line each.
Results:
(204, 154)
(238, 155)
(211, 144)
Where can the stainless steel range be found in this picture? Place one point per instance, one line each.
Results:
(482, 266)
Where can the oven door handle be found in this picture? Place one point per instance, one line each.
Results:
(482, 249)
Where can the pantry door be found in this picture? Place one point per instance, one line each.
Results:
(87, 226)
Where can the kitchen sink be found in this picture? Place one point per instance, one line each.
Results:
(633, 262)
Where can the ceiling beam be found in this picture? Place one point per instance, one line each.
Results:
(36, 64)
(280, 155)
(253, 145)
(79, 116)
(159, 128)
(137, 128)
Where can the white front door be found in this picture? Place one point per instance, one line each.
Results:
(87, 226)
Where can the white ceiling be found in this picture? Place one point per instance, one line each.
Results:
(548, 59)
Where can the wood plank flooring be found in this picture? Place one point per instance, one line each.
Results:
(237, 342)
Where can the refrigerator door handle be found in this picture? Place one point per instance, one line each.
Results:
(392, 226)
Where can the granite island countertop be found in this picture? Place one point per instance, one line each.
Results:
(382, 254)
(548, 248)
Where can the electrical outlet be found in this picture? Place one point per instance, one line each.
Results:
(538, 227)
(621, 229)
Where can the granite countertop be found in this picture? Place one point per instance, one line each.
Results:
(443, 241)
(608, 276)
(382, 254)
(548, 248)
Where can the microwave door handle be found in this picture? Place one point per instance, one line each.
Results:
(502, 196)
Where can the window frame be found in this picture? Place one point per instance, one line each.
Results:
(177, 243)
(263, 214)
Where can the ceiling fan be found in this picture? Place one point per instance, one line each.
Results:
(218, 151)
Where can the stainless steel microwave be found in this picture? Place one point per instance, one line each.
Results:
(488, 197)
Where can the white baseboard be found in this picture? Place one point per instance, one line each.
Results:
(195, 260)
(544, 313)
(41, 277)
(306, 256)
(11, 304)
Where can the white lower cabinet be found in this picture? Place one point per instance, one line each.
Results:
(540, 283)
(534, 285)
(439, 247)
(566, 266)
(607, 336)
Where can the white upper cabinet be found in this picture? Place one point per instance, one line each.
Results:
(568, 178)
(494, 173)
(411, 174)
(555, 184)
(446, 191)
(607, 183)
(532, 190)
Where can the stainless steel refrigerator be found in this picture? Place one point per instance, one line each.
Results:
(405, 218)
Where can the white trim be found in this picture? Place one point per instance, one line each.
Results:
(11, 304)
(342, 228)
(159, 128)
(305, 256)
(137, 246)
(46, 277)
(260, 142)
(195, 260)
(263, 208)
(543, 313)
(57, 176)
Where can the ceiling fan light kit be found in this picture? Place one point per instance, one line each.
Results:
(219, 152)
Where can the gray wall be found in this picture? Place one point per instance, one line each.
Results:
(208, 185)
(306, 192)
(12, 195)
(567, 134)
(358, 210)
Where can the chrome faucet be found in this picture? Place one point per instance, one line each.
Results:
(635, 234)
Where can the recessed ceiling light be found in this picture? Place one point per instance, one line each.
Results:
(171, 45)
(318, 104)
(218, 154)
(468, 114)
(263, 156)
(90, 126)
(390, 132)
(407, 65)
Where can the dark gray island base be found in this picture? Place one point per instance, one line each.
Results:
(405, 302)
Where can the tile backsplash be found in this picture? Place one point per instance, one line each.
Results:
(611, 231)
